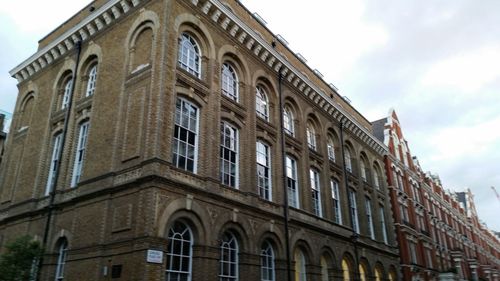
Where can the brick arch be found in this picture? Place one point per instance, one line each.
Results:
(239, 229)
(273, 233)
(189, 210)
(192, 24)
(92, 53)
(237, 59)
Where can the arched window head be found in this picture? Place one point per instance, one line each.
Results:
(189, 55)
(288, 121)
(362, 166)
(267, 262)
(61, 259)
(311, 136)
(179, 252)
(92, 80)
(378, 274)
(68, 86)
(331, 149)
(324, 268)
(300, 266)
(362, 273)
(229, 82)
(229, 258)
(262, 103)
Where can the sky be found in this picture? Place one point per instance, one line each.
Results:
(435, 62)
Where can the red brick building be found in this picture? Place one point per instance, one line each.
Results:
(439, 233)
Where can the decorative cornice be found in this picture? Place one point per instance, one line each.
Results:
(98, 20)
(251, 40)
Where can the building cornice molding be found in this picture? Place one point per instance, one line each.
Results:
(251, 40)
(105, 16)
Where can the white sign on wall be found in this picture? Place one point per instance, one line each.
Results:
(154, 256)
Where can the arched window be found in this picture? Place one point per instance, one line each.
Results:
(331, 149)
(264, 171)
(61, 259)
(262, 103)
(346, 270)
(229, 82)
(362, 273)
(229, 155)
(27, 111)
(267, 262)
(311, 136)
(347, 159)
(67, 93)
(392, 275)
(376, 177)
(229, 258)
(300, 266)
(353, 205)
(185, 143)
(324, 269)
(288, 121)
(189, 55)
(92, 80)
(292, 182)
(179, 252)
(363, 168)
(54, 161)
(378, 274)
(315, 192)
(80, 152)
(337, 209)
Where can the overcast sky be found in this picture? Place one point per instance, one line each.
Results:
(435, 62)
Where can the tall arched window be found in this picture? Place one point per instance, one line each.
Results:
(229, 82)
(179, 252)
(376, 177)
(229, 149)
(347, 159)
(363, 167)
(311, 136)
(61, 259)
(331, 149)
(80, 152)
(54, 162)
(262, 103)
(378, 274)
(67, 93)
(264, 171)
(189, 55)
(346, 270)
(185, 143)
(92, 80)
(267, 262)
(362, 272)
(324, 269)
(300, 266)
(229, 258)
(288, 121)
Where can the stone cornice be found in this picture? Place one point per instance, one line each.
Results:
(250, 39)
(98, 20)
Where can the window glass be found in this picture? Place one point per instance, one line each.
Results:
(185, 143)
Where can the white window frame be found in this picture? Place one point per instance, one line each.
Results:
(229, 248)
(67, 93)
(61, 260)
(354, 210)
(185, 238)
(316, 192)
(54, 162)
(91, 82)
(369, 217)
(288, 124)
(189, 55)
(185, 121)
(311, 136)
(264, 177)
(292, 182)
(229, 82)
(267, 260)
(80, 153)
(337, 207)
(261, 103)
(229, 155)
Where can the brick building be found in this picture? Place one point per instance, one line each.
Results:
(147, 144)
(439, 233)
